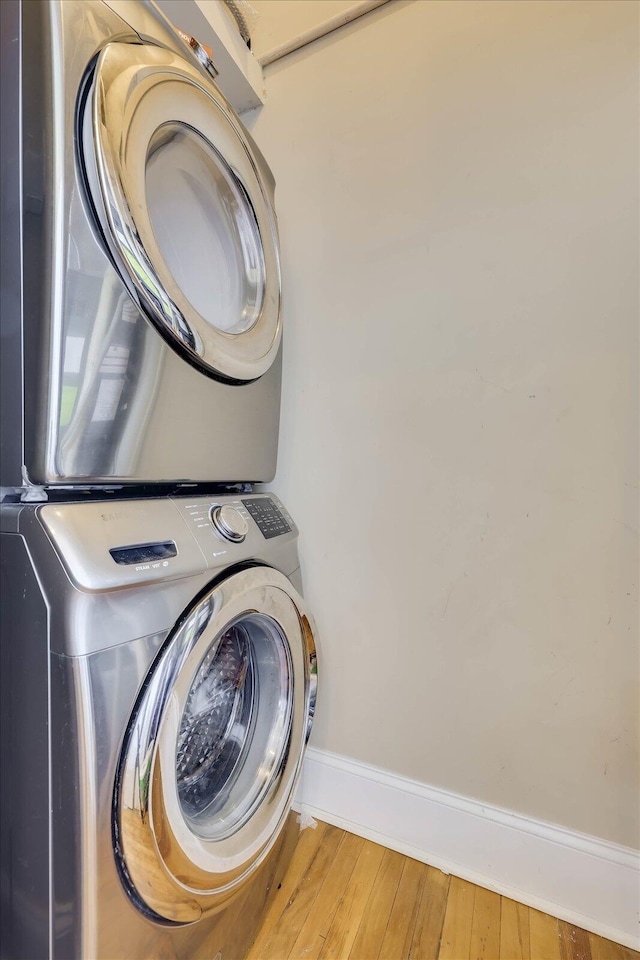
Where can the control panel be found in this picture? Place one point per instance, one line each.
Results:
(110, 545)
(126, 542)
(270, 520)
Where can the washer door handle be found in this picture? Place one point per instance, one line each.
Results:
(174, 864)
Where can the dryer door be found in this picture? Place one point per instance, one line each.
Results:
(183, 208)
(214, 747)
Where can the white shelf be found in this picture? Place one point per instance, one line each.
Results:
(240, 75)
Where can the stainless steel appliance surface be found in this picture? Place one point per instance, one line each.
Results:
(158, 674)
(141, 328)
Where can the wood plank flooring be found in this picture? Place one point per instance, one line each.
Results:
(344, 898)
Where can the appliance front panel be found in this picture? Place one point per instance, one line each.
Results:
(94, 697)
(106, 398)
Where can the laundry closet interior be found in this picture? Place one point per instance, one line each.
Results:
(319, 449)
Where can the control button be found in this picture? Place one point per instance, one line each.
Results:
(229, 523)
(269, 519)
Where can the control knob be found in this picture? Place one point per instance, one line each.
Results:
(229, 523)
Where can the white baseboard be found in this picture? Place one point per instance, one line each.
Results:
(587, 881)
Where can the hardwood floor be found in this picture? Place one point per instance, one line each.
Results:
(344, 898)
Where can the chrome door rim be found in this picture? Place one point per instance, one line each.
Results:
(170, 872)
(139, 88)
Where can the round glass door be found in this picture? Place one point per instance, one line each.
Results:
(235, 727)
(205, 228)
(185, 206)
(214, 747)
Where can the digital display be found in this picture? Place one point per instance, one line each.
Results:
(144, 552)
(269, 519)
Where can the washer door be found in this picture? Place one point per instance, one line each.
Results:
(179, 199)
(214, 747)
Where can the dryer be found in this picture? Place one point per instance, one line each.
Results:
(141, 324)
(158, 673)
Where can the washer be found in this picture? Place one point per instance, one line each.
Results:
(158, 673)
(141, 324)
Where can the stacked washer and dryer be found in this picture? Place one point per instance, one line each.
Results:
(158, 664)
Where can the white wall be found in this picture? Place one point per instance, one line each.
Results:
(280, 22)
(457, 191)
